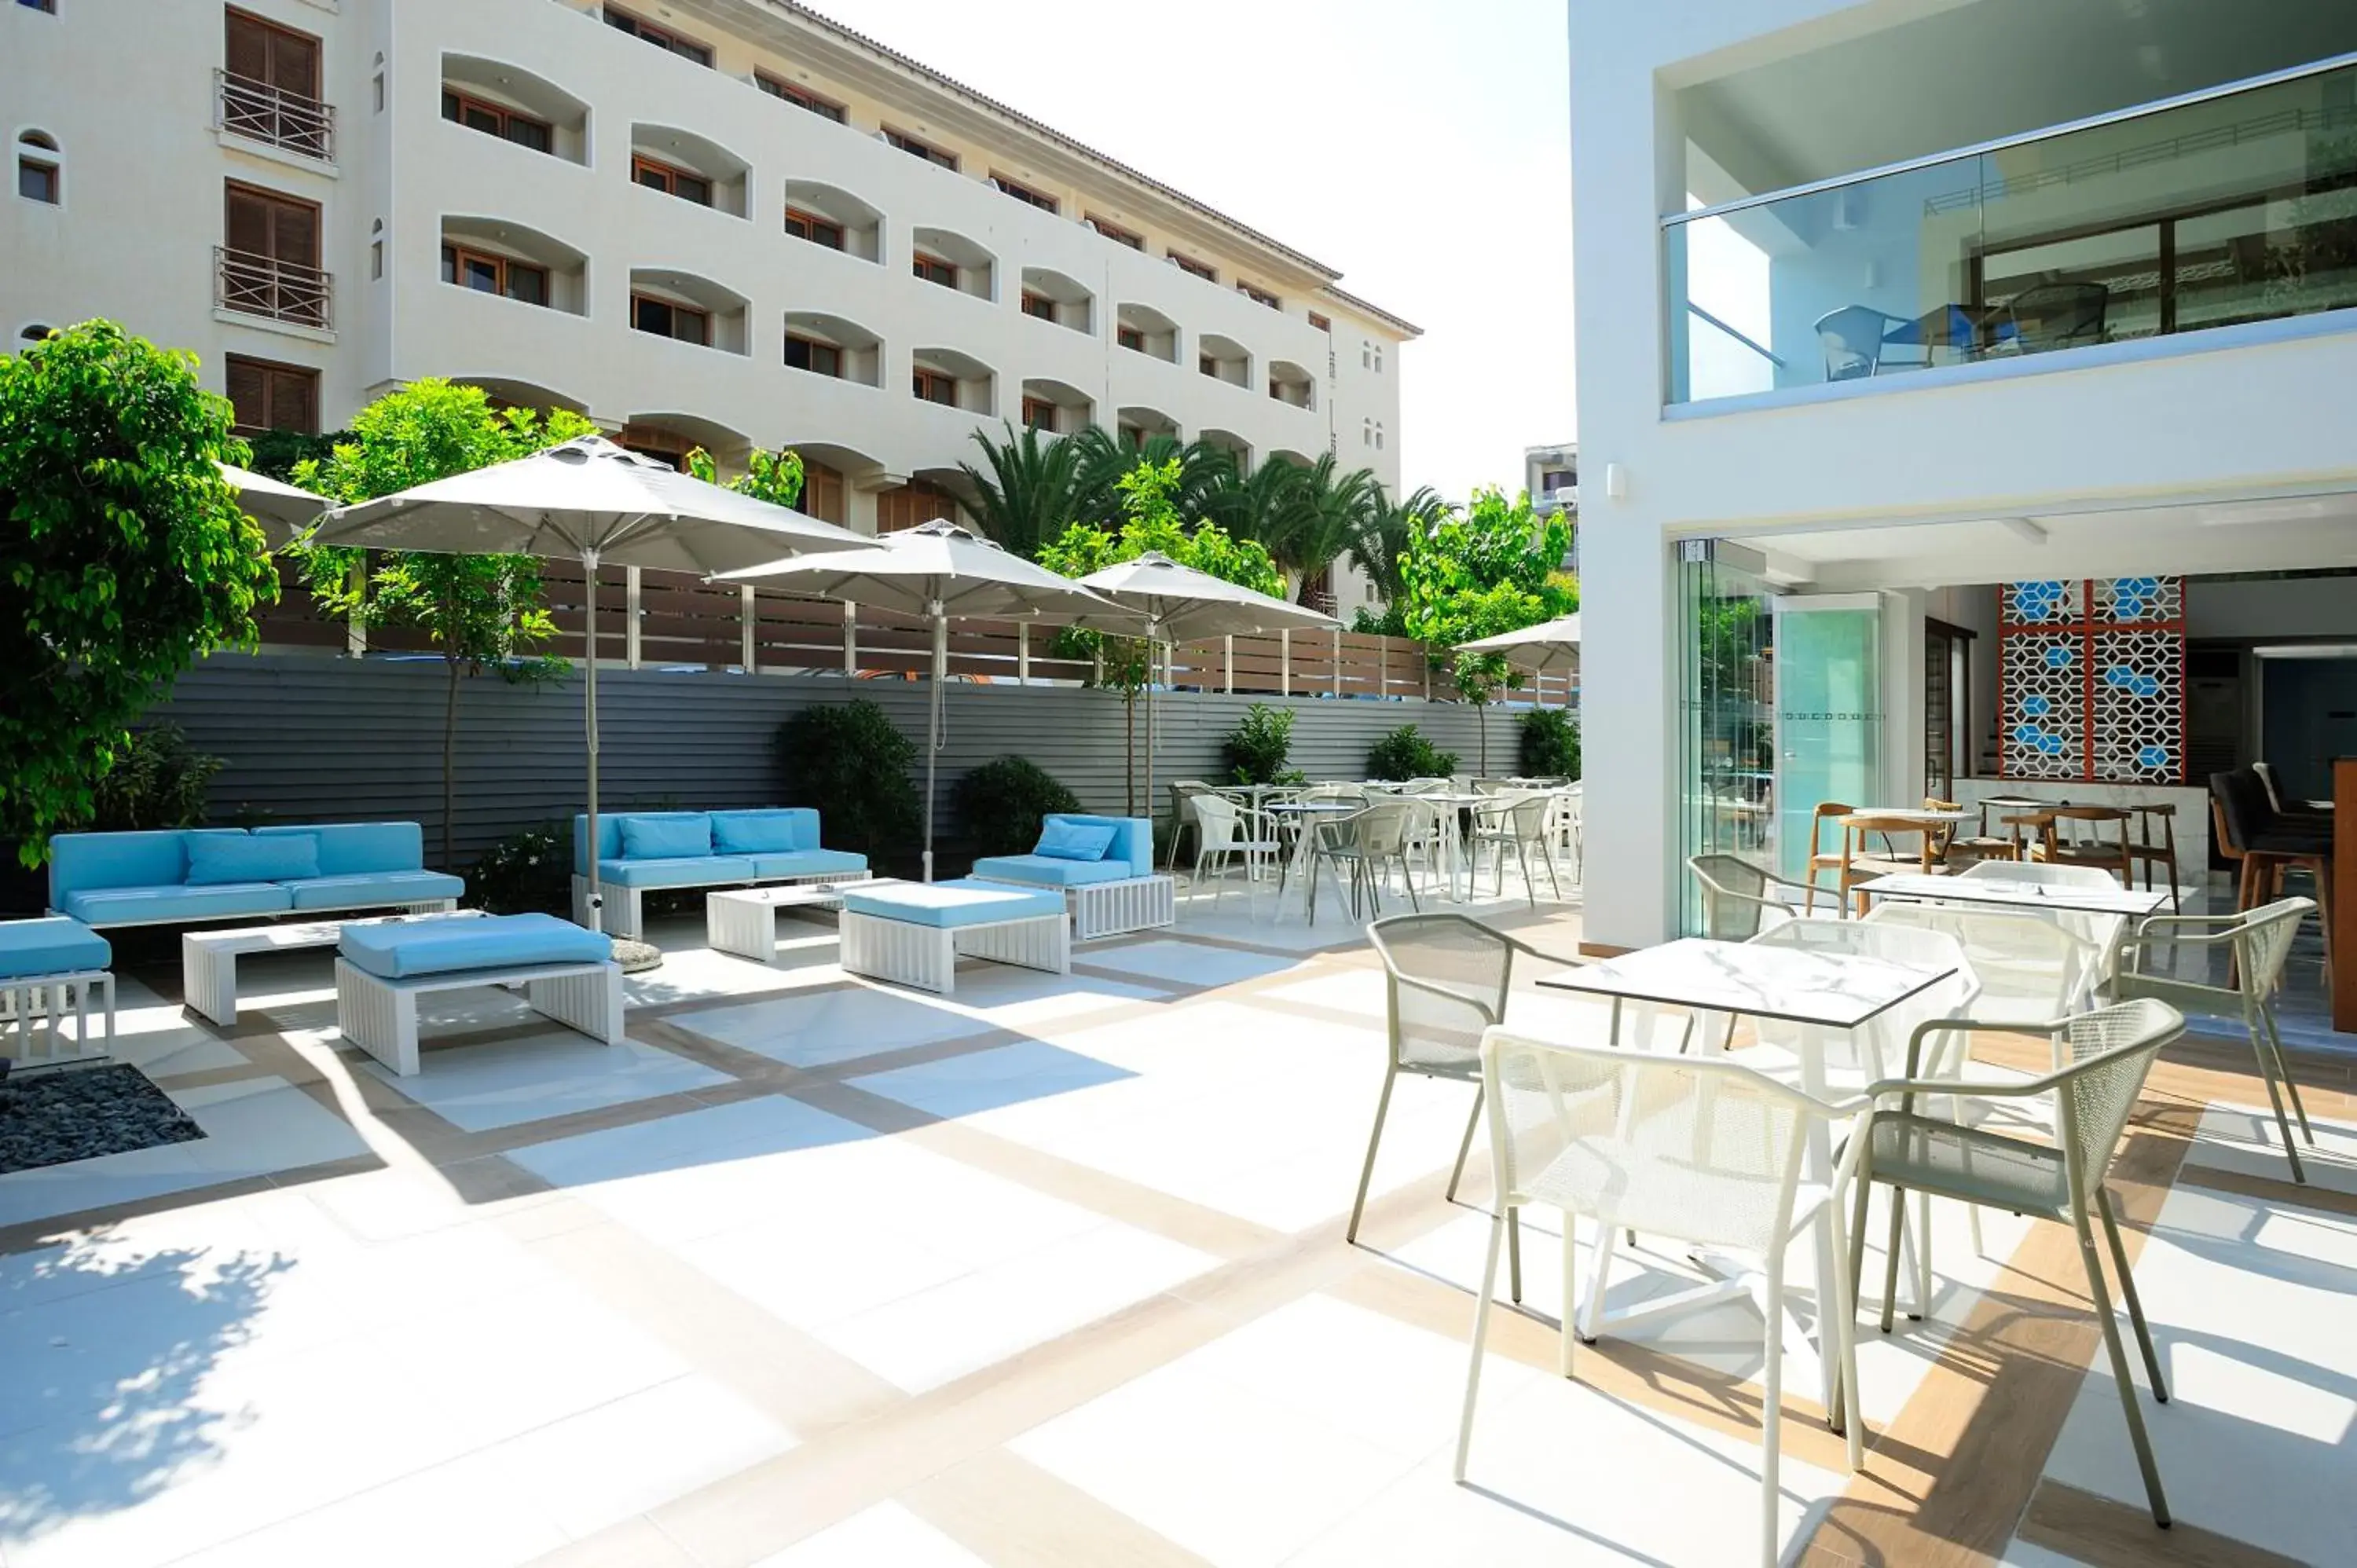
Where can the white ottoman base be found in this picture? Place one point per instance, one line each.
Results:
(926, 957)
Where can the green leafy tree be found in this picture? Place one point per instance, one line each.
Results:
(1150, 493)
(1492, 568)
(1028, 492)
(483, 612)
(772, 477)
(1383, 543)
(1260, 748)
(125, 555)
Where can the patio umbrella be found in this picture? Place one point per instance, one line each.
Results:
(1183, 605)
(943, 571)
(1549, 646)
(283, 510)
(586, 500)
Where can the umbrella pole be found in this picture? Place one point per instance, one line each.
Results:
(1153, 656)
(589, 720)
(933, 744)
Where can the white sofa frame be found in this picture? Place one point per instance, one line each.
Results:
(1110, 908)
(926, 957)
(379, 1016)
(51, 996)
(625, 912)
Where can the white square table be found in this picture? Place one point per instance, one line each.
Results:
(744, 920)
(208, 959)
(2035, 897)
(1826, 993)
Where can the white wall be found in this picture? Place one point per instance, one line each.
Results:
(2156, 423)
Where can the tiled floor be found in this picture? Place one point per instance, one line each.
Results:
(815, 1273)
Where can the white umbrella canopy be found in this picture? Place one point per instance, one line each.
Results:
(283, 510)
(943, 571)
(1549, 646)
(590, 500)
(1183, 605)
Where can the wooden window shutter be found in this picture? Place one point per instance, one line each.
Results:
(248, 54)
(295, 233)
(295, 64)
(249, 391)
(248, 225)
(294, 402)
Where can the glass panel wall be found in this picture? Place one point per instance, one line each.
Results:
(1828, 735)
(2236, 209)
(1726, 758)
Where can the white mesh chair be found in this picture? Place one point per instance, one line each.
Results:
(1367, 842)
(2258, 942)
(1224, 832)
(1446, 980)
(1739, 899)
(1854, 1058)
(1517, 823)
(2109, 1052)
(1700, 1150)
(1566, 827)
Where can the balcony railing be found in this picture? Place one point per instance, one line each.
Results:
(261, 112)
(2224, 208)
(264, 285)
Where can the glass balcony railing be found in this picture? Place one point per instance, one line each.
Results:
(2235, 207)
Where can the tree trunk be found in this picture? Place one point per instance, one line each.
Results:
(449, 765)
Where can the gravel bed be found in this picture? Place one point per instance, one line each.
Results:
(79, 1114)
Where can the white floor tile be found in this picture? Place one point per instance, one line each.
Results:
(886, 1534)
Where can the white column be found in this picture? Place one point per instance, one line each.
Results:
(1629, 715)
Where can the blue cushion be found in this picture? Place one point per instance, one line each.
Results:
(1062, 839)
(51, 945)
(354, 849)
(374, 890)
(962, 902)
(1048, 872)
(177, 904)
(1133, 838)
(810, 863)
(778, 831)
(665, 838)
(461, 943)
(687, 871)
(157, 859)
(213, 861)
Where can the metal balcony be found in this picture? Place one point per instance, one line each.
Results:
(272, 115)
(265, 286)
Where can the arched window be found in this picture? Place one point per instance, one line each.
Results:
(40, 168)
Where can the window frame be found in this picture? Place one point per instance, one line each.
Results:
(270, 370)
(455, 254)
(1321, 323)
(815, 222)
(1043, 406)
(922, 376)
(813, 348)
(801, 98)
(631, 25)
(671, 174)
(917, 146)
(1027, 195)
(1117, 234)
(1130, 338)
(508, 118)
(1259, 295)
(1192, 267)
(50, 168)
(678, 312)
(921, 265)
(1033, 297)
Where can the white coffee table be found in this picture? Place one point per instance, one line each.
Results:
(744, 920)
(208, 959)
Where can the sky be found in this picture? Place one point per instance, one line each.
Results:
(1420, 147)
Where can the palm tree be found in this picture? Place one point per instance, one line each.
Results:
(1260, 505)
(1032, 490)
(1382, 543)
(1326, 517)
(1104, 457)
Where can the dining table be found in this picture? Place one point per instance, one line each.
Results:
(1829, 996)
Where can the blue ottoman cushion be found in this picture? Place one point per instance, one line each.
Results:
(51, 945)
(1050, 872)
(962, 902)
(461, 943)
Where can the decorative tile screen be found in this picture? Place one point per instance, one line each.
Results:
(2092, 680)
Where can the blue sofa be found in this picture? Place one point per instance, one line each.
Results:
(1119, 891)
(641, 850)
(188, 875)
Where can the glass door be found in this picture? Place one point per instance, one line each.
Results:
(1726, 753)
(1828, 733)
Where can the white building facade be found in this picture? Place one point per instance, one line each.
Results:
(820, 244)
(1883, 304)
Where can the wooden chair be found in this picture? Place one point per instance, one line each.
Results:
(2061, 848)
(1958, 849)
(1857, 866)
(1821, 858)
(2148, 854)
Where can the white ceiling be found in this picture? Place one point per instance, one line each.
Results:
(1976, 72)
(2277, 534)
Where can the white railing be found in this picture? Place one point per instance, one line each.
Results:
(255, 109)
(261, 285)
